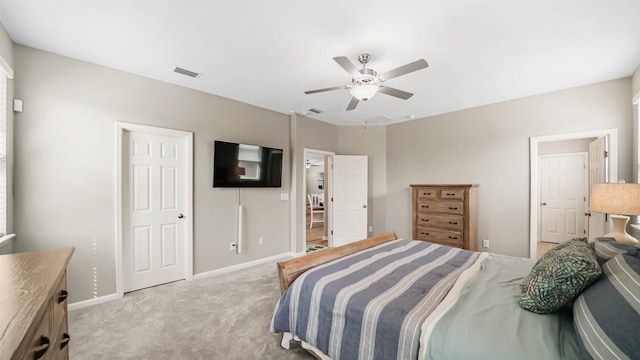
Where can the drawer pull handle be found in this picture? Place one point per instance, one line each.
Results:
(425, 220)
(451, 194)
(65, 340)
(42, 349)
(453, 208)
(424, 233)
(453, 237)
(426, 194)
(425, 206)
(63, 296)
(453, 222)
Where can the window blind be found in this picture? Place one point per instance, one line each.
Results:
(3, 152)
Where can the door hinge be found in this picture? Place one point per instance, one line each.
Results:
(331, 232)
(606, 154)
(332, 199)
(584, 198)
(584, 231)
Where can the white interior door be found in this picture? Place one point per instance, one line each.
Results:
(154, 208)
(563, 196)
(598, 152)
(349, 198)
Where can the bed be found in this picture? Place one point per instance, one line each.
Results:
(389, 298)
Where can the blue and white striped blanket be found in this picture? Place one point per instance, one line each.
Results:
(371, 304)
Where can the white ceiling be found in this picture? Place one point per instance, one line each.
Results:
(267, 53)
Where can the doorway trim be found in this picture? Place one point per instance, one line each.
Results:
(121, 128)
(611, 134)
(328, 204)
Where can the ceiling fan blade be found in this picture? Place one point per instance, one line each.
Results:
(395, 92)
(347, 65)
(402, 70)
(353, 103)
(325, 89)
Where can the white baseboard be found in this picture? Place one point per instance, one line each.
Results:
(228, 269)
(94, 301)
(243, 266)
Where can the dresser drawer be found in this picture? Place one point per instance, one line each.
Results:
(450, 238)
(40, 344)
(449, 222)
(451, 194)
(428, 193)
(61, 349)
(59, 301)
(444, 207)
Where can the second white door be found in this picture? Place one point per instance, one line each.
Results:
(350, 191)
(563, 197)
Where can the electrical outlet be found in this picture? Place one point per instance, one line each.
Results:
(260, 240)
(370, 229)
(485, 243)
(232, 246)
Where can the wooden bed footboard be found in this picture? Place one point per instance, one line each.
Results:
(289, 270)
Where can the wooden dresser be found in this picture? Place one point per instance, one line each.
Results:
(446, 214)
(33, 305)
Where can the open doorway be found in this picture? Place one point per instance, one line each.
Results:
(316, 195)
(563, 170)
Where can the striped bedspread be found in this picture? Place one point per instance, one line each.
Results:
(371, 304)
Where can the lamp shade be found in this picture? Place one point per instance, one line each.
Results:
(615, 198)
(364, 92)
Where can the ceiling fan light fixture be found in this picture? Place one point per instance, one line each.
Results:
(364, 92)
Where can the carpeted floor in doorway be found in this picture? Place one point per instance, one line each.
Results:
(220, 317)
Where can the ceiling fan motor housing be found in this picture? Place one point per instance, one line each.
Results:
(369, 76)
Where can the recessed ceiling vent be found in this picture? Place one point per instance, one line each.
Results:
(316, 111)
(377, 120)
(186, 72)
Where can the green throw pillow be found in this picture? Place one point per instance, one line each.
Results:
(560, 276)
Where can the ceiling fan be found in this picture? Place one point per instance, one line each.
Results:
(365, 83)
(308, 165)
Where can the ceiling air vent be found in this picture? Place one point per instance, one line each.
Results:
(186, 72)
(316, 111)
(377, 120)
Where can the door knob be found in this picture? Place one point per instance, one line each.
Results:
(543, 203)
(180, 216)
(364, 206)
(587, 214)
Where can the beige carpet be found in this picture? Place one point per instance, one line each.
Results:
(221, 317)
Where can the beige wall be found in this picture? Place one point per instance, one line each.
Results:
(370, 141)
(489, 146)
(6, 52)
(65, 151)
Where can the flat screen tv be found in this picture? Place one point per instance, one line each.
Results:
(243, 165)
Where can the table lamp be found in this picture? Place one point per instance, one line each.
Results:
(619, 200)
